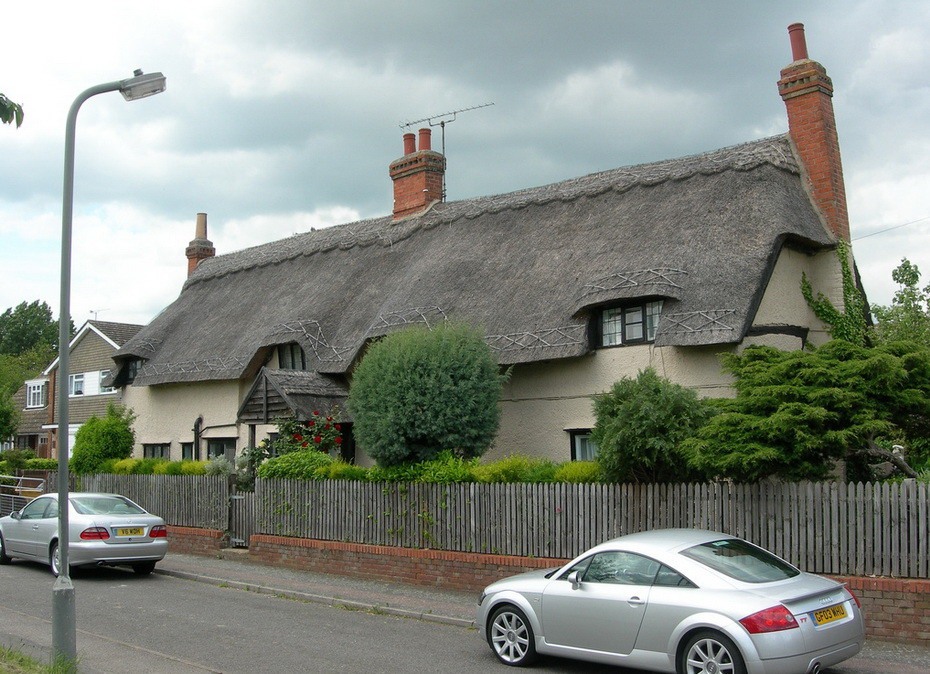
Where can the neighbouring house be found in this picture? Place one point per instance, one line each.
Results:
(91, 361)
(576, 285)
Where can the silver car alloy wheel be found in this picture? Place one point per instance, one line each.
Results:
(710, 653)
(511, 637)
(54, 559)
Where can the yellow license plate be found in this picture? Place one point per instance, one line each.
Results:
(828, 615)
(126, 531)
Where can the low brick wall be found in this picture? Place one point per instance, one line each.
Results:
(194, 541)
(435, 568)
(895, 609)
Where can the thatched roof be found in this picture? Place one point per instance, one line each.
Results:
(527, 267)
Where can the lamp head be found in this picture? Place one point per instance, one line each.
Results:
(142, 86)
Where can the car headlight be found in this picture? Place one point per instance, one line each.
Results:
(482, 598)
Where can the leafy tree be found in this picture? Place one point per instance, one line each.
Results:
(850, 323)
(98, 440)
(640, 424)
(9, 417)
(797, 413)
(908, 317)
(418, 392)
(27, 326)
(10, 112)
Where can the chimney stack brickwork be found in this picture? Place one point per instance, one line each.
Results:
(417, 176)
(200, 248)
(808, 92)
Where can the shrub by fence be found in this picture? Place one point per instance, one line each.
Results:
(834, 528)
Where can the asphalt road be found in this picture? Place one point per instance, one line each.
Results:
(164, 624)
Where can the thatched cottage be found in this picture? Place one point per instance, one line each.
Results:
(575, 284)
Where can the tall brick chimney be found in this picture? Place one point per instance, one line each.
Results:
(200, 248)
(808, 94)
(417, 176)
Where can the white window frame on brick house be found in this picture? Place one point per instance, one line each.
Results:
(75, 385)
(36, 391)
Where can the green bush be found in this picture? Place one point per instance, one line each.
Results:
(219, 465)
(578, 472)
(16, 459)
(516, 469)
(99, 439)
(42, 464)
(340, 470)
(306, 465)
(418, 392)
(448, 468)
(123, 466)
(193, 468)
(5, 469)
(641, 424)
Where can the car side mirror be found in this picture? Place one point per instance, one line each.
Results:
(15, 515)
(574, 580)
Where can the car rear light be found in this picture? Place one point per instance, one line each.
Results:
(95, 534)
(158, 531)
(853, 595)
(774, 619)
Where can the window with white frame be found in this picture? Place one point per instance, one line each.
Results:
(583, 448)
(629, 324)
(35, 394)
(105, 389)
(76, 384)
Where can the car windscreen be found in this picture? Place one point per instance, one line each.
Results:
(741, 560)
(105, 505)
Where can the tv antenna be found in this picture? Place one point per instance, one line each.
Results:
(441, 120)
(97, 311)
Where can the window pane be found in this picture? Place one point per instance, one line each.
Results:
(633, 317)
(585, 450)
(653, 310)
(611, 327)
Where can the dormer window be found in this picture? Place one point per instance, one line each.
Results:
(628, 324)
(35, 393)
(291, 357)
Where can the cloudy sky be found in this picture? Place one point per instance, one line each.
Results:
(282, 115)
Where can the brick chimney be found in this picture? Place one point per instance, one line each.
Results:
(200, 248)
(417, 176)
(808, 94)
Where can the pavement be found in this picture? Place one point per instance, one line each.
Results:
(232, 568)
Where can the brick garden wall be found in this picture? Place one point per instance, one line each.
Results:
(895, 609)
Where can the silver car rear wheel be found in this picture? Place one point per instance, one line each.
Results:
(4, 558)
(511, 637)
(54, 559)
(709, 652)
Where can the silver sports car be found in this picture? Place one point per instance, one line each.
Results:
(105, 529)
(675, 600)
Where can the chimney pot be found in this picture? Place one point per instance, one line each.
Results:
(798, 42)
(409, 143)
(200, 232)
(425, 135)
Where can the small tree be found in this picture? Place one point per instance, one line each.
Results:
(640, 425)
(418, 392)
(908, 317)
(98, 440)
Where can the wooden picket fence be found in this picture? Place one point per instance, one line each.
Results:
(825, 527)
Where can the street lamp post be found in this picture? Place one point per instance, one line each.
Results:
(64, 641)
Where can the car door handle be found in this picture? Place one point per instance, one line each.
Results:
(635, 601)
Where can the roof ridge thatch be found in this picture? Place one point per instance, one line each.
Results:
(384, 231)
